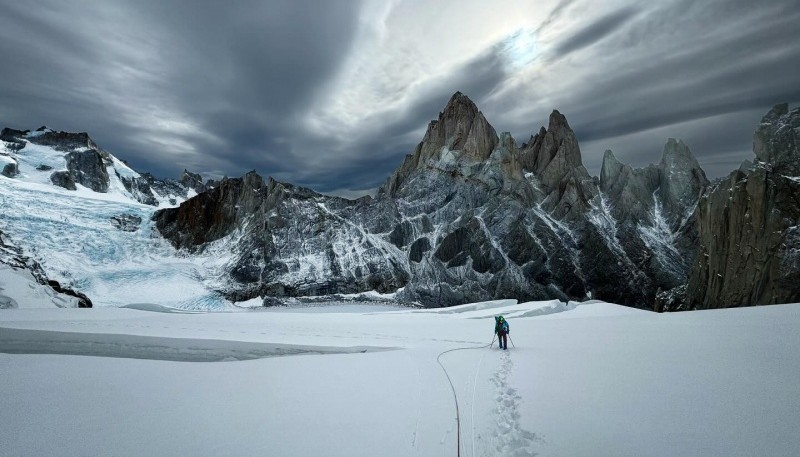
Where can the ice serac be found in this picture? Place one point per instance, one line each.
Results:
(749, 225)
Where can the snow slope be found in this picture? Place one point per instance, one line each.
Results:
(582, 380)
(19, 289)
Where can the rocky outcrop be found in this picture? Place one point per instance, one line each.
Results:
(126, 222)
(86, 162)
(192, 181)
(749, 225)
(84, 167)
(10, 167)
(63, 141)
(12, 138)
(87, 168)
(63, 179)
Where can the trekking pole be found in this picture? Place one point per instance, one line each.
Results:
(493, 337)
(512, 341)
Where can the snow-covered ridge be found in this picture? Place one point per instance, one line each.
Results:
(74, 162)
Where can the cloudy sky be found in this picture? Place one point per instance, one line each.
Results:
(333, 94)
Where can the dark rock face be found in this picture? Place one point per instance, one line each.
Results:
(86, 167)
(64, 141)
(192, 181)
(83, 300)
(12, 137)
(749, 223)
(10, 169)
(63, 179)
(213, 214)
(654, 212)
(776, 141)
(126, 222)
(288, 240)
(468, 216)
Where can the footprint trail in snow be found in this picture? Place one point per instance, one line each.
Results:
(509, 438)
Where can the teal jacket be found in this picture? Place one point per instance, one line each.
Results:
(502, 328)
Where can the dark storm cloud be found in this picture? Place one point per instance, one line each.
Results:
(232, 77)
(594, 32)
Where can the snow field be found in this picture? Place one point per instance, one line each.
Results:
(592, 379)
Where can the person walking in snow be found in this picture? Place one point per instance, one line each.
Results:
(501, 329)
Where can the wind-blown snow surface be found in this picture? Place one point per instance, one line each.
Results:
(593, 379)
(71, 234)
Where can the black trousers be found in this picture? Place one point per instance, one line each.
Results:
(503, 340)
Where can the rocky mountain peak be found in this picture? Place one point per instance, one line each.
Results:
(681, 178)
(610, 171)
(192, 181)
(777, 139)
(553, 154)
(460, 127)
(462, 103)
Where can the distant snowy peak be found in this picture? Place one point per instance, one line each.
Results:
(72, 160)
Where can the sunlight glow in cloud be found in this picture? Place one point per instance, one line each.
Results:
(521, 48)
